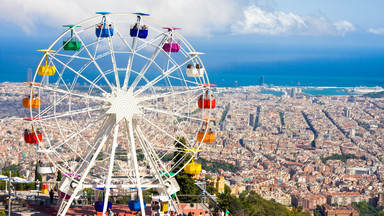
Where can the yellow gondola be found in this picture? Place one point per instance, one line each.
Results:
(192, 168)
(46, 70)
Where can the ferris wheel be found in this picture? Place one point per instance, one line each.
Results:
(120, 101)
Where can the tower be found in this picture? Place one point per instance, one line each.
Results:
(251, 119)
(293, 92)
(347, 112)
(262, 80)
(29, 75)
(223, 126)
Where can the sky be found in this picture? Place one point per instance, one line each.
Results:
(229, 31)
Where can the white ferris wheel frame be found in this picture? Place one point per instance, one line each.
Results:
(111, 124)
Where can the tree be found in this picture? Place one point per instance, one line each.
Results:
(256, 205)
(224, 198)
(243, 195)
(37, 175)
(185, 181)
(59, 176)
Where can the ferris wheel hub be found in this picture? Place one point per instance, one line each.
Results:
(123, 104)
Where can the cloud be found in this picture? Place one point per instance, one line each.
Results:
(196, 17)
(344, 26)
(377, 31)
(258, 21)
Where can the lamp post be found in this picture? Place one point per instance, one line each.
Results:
(9, 193)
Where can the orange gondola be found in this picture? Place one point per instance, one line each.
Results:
(33, 103)
(206, 134)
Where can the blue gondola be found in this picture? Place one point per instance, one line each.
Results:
(99, 205)
(104, 29)
(138, 30)
(134, 205)
(143, 33)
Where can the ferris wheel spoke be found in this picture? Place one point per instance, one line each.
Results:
(58, 101)
(129, 65)
(71, 93)
(113, 59)
(80, 75)
(99, 143)
(134, 52)
(186, 82)
(170, 94)
(165, 132)
(72, 56)
(69, 113)
(159, 78)
(172, 114)
(74, 135)
(149, 63)
(97, 65)
(155, 161)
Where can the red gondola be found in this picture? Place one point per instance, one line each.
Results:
(32, 137)
(206, 101)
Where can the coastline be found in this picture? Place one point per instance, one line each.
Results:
(305, 90)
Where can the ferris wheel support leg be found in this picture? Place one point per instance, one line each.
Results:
(104, 132)
(136, 166)
(148, 149)
(111, 163)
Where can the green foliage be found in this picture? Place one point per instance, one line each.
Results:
(228, 201)
(15, 173)
(59, 176)
(318, 211)
(37, 175)
(215, 165)
(367, 209)
(256, 205)
(211, 189)
(343, 157)
(243, 195)
(224, 198)
(313, 144)
(185, 181)
(187, 187)
(167, 157)
(13, 168)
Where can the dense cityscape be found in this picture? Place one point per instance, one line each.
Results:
(296, 149)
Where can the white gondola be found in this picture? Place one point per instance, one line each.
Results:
(45, 168)
(194, 72)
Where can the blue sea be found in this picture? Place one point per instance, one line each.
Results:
(340, 67)
(281, 65)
